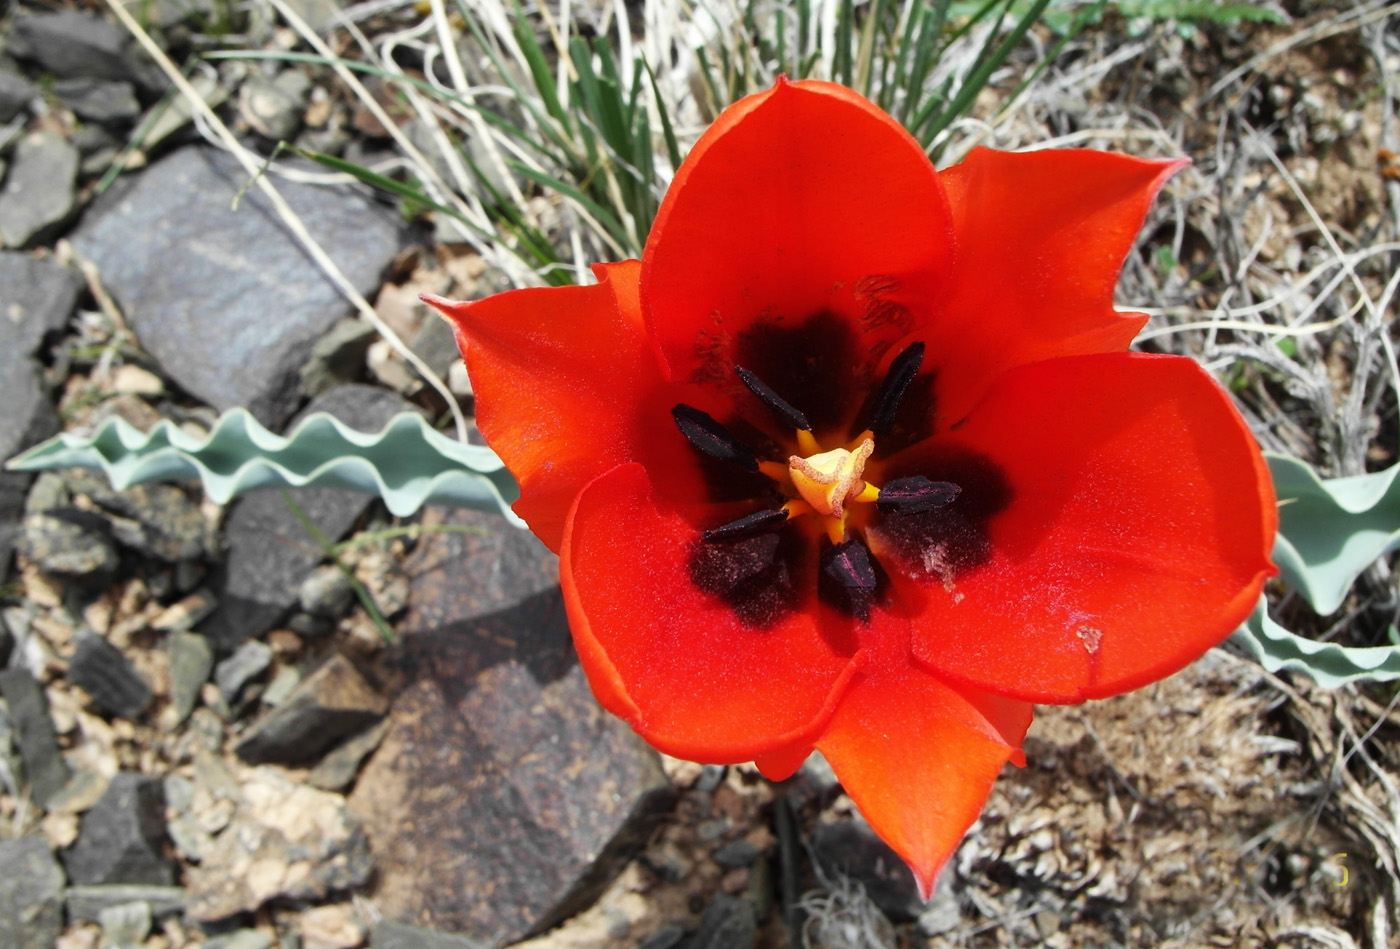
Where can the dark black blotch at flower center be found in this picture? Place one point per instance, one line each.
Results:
(929, 520)
(761, 578)
(942, 543)
(810, 364)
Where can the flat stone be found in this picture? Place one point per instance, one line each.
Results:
(86, 903)
(270, 553)
(70, 44)
(667, 937)
(852, 849)
(227, 302)
(285, 840)
(96, 100)
(126, 925)
(108, 676)
(40, 189)
(500, 773)
(248, 661)
(728, 923)
(161, 521)
(242, 939)
(331, 703)
(16, 93)
(738, 853)
(191, 661)
(70, 543)
(28, 418)
(121, 836)
(388, 934)
(273, 107)
(44, 767)
(31, 894)
(337, 770)
(326, 591)
(37, 296)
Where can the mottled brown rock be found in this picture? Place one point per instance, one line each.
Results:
(334, 701)
(527, 795)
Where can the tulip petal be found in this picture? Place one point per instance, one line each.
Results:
(802, 202)
(1119, 523)
(919, 757)
(1041, 238)
(699, 676)
(558, 375)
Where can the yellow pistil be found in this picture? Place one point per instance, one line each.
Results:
(828, 480)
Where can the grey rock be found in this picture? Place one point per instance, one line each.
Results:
(97, 100)
(273, 108)
(496, 708)
(302, 842)
(437, 345)
(711, 777)
(850, 848)
(331, 703)
(667, 937)
(191, 661)
(126, 925)
(284, 683)
(326, 591)
(37, 296)
(337, 770)
(269, 551)
(108, 676)
(70, 44)
(70, 543)
(310, 627)
(45, 768)
(337, 357)
(739, 853)
(39, 194)
(319, 14)
(16, 93)
(86, 903)
(248, 661)
(728, 923)
(242, 939)
(120, 838)
(388, 934)
(29, 417)
(227, 302)
(31, 894)
(161, 521)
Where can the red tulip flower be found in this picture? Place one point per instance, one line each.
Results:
(856, 459)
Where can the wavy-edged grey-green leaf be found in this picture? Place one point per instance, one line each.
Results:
(1328, 664)
(1330, 530)
(407, 463)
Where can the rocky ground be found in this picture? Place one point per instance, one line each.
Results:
(206, 739)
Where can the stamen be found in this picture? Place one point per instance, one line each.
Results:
(901, 373)
(712, 438)
(751, 525)
(848, 563)
(780, 406)
(915, 495)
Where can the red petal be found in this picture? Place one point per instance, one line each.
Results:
(919, 757)
(559, 377)
(1136, 535)
(1041, 237)
(799, 200)
(674, 661)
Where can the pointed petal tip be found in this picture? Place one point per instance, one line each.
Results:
(927, 879)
